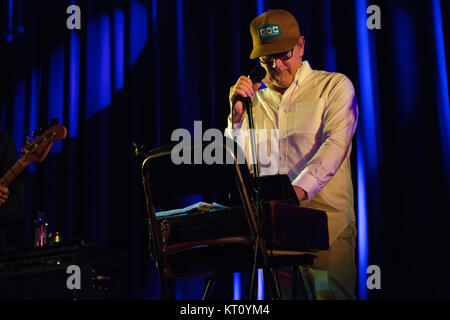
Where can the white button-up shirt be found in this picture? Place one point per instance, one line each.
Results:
(308, 136)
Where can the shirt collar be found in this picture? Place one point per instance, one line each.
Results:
(302, 73)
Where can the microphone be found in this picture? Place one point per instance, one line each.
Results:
(256, 75)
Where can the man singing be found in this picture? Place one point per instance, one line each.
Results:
(314, 114)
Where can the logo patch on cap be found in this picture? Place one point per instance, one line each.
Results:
(269, 31)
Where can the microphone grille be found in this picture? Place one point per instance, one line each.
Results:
(257, 74)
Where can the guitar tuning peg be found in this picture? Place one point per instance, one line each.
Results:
(38, 132)
(35, 134)
(27, 139)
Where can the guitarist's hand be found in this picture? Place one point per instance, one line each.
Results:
(4, 194)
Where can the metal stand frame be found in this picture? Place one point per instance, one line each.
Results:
(254, 218)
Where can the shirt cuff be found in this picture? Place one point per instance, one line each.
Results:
(307, 182)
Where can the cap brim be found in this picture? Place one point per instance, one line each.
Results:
(272, 48)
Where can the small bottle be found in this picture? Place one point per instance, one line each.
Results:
(40, 230)
(54, 239)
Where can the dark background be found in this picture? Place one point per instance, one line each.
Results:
(145, 68)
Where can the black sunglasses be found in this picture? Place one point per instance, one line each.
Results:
(273, 57)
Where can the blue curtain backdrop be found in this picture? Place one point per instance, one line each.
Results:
(137, 70)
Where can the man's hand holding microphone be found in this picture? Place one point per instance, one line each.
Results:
(245, 87)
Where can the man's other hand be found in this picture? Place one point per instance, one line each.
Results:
(301, 194)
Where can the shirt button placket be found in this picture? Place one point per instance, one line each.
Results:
(282, 150)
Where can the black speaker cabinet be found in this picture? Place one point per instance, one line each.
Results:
(76, 272)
